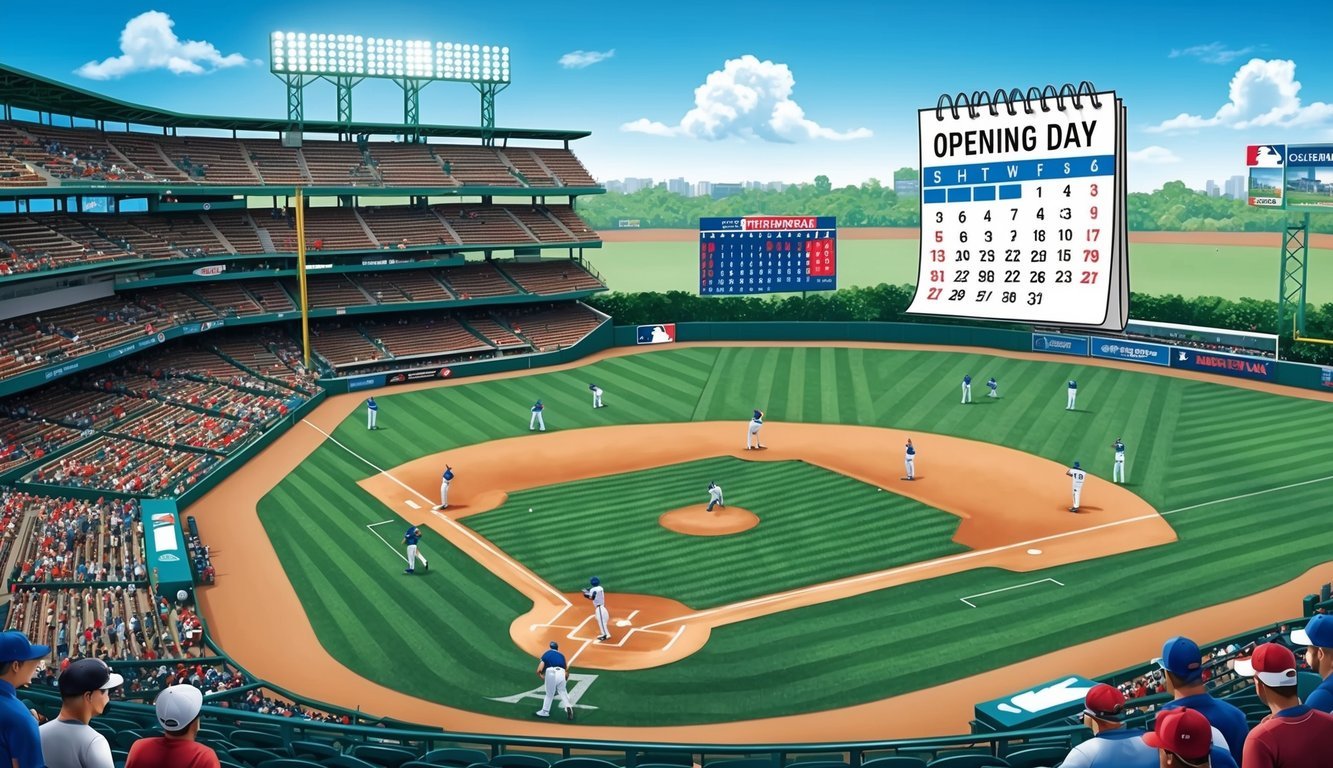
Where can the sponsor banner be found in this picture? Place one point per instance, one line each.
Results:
(365, 382)
(1325, 376)
(424, 374)
(189, 328)
(629, 224)
(312, 267)
(1035, 706)
(63, 370)
(1060, 344)
(1227, 365)
(131, 348)
(1133, 351)
(657, 334)
(209, 271)
(209, 325)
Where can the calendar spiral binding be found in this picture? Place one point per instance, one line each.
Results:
(1012, 98)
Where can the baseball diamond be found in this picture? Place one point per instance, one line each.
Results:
(599, 476)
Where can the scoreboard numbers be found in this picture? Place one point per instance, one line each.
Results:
(767, 254)
(1023, 209)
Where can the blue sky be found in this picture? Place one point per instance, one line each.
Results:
(793, 90)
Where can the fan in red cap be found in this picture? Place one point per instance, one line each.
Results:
(1112, 745)
(1294, 736)
(1185, 739)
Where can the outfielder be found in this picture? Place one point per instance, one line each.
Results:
(909, 460)
(596, 395)
(444, 486)
(994, 387)
(555, 671)
(714, 497)
(411, 538)
(756, 421)
(372, 413)
(967, 388)
(1079, 476)
(1118, 474)
(597, 595)
(537, 417)
(1073, 395)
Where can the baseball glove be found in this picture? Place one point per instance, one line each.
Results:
(585, 593)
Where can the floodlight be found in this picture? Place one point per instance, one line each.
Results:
(340, 53)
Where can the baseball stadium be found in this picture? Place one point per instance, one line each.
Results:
(240, 354)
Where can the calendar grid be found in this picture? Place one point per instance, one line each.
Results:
(767, 254)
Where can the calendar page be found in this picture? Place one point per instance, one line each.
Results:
(1022, 214)
(767, 254)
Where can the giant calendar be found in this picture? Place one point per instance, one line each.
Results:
(1023, 208)
(767, 254)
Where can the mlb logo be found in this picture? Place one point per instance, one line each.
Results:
(1265, 155)
(657, 334)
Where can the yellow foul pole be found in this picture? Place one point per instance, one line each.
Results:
(300, 276)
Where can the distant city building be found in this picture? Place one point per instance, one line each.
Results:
(776, 186)
(907, 187)
(721, 190)
(633, 185)
(1235, 188)
(678, 186)
(1211, 189)
(615, 185)
(703, 189)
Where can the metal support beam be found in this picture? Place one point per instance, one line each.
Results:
(488, 92)
(1292, 276)
(295, 97)
(343, 85)
(411, 107)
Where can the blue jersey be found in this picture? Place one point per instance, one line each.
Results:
(448, 474)
(967, 380)
(1222, 715)
(993, 384)
(1073, 384)
(1119, 447)
(372, 405)
(412, 536)
(537, 407)
(758, 416)
(1322, 697)
(911, 450)
(553, 658)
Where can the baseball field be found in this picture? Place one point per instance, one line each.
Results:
(842, 596)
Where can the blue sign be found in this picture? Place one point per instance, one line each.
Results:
(1228, 365)
(1060, 344)
(1130, 350)
(365, 382)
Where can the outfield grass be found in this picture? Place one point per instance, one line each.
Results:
(1244, 476)
(816, 526)
(1232, 272)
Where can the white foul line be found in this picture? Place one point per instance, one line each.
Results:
(1006, 589)
(581, 649)
(461, 529)
(386, 541)
(674, 638)
(412, 504)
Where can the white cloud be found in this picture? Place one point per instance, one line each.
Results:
(1263, 93)
(1212, 53)
(1154, 155)
(148, 42)
(581, 59)
(748, 99)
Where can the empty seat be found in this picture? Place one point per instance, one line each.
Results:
(1036, 757)
(459, 757)
(388, 757)
(518, 761)
(968, 761)
(895, 761)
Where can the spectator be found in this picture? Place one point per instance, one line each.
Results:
(1317, 637)
(1294, 735)
(68, 741)
(20, 742)
(178, 711)
(1112, 745)
(1183, 664)
(1185, 739)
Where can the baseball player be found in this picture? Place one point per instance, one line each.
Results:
(555, 671)
(910, 460)
(411, 538)
(714, 497)
(596, 395)
(537, 419)
(1079, 476)
(372, 413)
(756, 421)
(1073, 395)
(1118, 474)
(597, 595)
(993, 386)
(967, 388)
(444, 487)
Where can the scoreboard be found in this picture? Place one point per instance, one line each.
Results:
(767, 254)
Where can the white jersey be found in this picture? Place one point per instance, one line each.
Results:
(597, 595)
(1079, 476)
(715, 493)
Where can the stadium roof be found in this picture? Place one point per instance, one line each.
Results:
(24, 90)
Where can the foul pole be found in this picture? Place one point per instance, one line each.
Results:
(301, 278)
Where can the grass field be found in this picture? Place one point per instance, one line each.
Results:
(1231, 272)
(1243, 476)
(817, 526)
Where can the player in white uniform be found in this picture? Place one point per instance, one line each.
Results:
(1073, 395)
(372, 413)
(967, 388)
(537, 418)
(910, 460)
(444, 486)
(756, 421)
(714, 497)
(596, 395)
(411, 538)
(1118, 474)
(1079, 476)
(597, 595)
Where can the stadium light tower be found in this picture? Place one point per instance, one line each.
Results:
(300, 59)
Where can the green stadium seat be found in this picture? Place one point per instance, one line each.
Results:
(318, 750)
(122, 739)
(346, 761)
(230, 764)
(289, 762)
(253, 755)
(1037, 757)
(261, 739)
(457, 757)
(657, 765)
(895, 761)
(583, 762)
(744, 762)
(968, 761)
(387, 757)
(518, 761)
(663, 758)
(818, 764)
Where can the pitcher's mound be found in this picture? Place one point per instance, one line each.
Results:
(695, 521)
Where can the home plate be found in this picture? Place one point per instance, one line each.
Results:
(622, 623)
(1034, 551)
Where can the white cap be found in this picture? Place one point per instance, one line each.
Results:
(178, 706)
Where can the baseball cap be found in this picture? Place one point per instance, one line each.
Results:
(15, 646)
(1183, 731)
(178, 706)
(86, 676)
(1273, 664)
(1104, 702)
(1181, 657)
(1319, 632)
(555, 646)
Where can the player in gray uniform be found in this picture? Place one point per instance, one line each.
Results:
(597, 595)
(715, 497)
